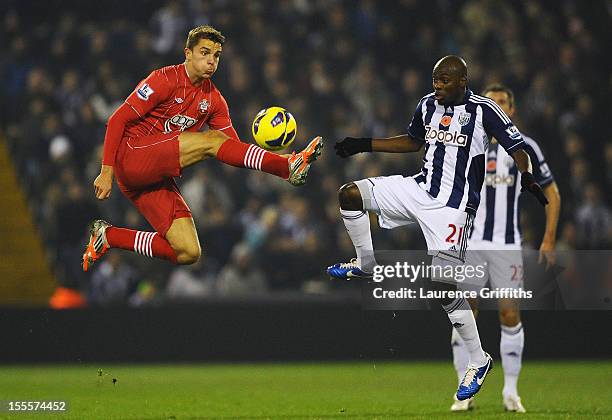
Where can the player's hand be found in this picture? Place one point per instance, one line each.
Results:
(352, 145)
(103, 184)
(547, 252)
(528, 183)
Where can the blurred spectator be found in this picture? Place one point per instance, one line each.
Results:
(567, 240)
(608, 157)
(169, 25)
(241, 276)
(594, 220)
(257, 228)
(70, 219)
(112, 283)
(192, 281)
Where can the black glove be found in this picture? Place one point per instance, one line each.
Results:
(351, 145)
(528, 183)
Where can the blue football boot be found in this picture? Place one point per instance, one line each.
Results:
(473, 379)
(348, 271)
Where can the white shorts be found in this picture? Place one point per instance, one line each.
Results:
(503, 265)
(399, 201)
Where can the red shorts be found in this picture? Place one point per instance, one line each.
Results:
(145, 169)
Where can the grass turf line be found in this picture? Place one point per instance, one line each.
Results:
(302, 390)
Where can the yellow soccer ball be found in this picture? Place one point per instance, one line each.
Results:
(274, 128)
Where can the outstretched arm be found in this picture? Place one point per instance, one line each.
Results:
(398, 144)
(412, 141)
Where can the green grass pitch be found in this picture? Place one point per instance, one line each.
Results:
(302, 390)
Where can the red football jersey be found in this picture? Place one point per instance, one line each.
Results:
(167, 101)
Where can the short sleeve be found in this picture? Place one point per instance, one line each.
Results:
(497, 124)
(150, 92)
(541, 171)
(416, 129)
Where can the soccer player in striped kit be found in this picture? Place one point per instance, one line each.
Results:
(454, 125)
(156, 133)
(496, 242)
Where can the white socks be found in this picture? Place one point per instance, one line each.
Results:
(511, 350)
(462, 319)
(357, 224)
(461, 357)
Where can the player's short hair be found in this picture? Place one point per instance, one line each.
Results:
(498, 87)
(203, 32)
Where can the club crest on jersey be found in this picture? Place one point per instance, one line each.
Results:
(144, 92)
(178, 122)
(464, 118)
(203, 105)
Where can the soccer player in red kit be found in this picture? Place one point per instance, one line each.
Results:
(156, 133)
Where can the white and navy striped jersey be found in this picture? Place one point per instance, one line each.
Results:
(497, 219)
(455, 141)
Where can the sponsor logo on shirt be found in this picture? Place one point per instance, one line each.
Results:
(494, 180)
(144, 92)
(178, 122)
(447, 137)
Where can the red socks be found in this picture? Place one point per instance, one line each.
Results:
(242, 155)
(232, 152)
(149, 244)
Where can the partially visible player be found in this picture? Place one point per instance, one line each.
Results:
(156, 133)
(496, 242)
(454, 125)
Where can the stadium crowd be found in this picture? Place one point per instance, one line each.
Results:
(343, 68)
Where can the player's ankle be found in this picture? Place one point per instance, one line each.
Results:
(477, 360)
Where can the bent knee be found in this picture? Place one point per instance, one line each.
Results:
(509, 317)
(349, 197)
(213, 139)
(189, 255)
(216, 136)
